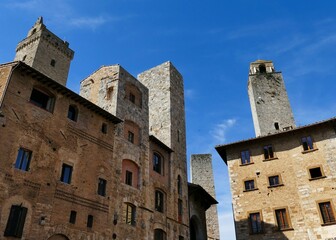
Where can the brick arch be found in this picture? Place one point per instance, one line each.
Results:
(131, 128)
(133, 168)
(133, 94)
(58, 237)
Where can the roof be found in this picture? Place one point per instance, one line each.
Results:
(203, 196)
(221, 149)
(161, 144)
(62, 90)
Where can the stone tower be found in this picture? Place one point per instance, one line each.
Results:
(45, 52)
(201, 174)
(270, 106)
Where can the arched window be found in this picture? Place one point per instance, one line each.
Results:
(159, 201)
(130, 173)
(179, 185)
(72, 113)
(262, 68)
(159, 234)
(158, 165)
(129, 214)
(42, 99)
(53, 62)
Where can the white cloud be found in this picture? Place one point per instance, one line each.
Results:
(90, 22)
(220, 130)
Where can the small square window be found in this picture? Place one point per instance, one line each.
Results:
(73, 215)
(131, 97)
(282, 219)
(66, 173)
(307, 143)
(102, 187)
(274, 181)
(255, 223)
(23, 159)
(268, 152)
(327, 212)
(130, 137)
(104, 128)
(249, 185)
(52, 62)
(315, 172)
(129, 178)
(72, 113)
(245, 157)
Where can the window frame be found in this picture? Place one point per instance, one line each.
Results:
(243, 158)
(72, 217)
(102, 184)
(130, 136)
(316, 178)
(268, 152)
(284, 223)
(158, 163)
(129, 177)
(254, 185)
(280, 183)
(260, 223)
(331, 219)
(308, 145)
(129, 214)
(16, 221)
(159, 234)
(73, 112)
(63, 178)
(159, 201)
(46, 104)
(22, 161)
(89, 222)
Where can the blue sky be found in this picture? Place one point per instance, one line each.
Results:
(211, 43)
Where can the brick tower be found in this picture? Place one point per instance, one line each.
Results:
(270, 106)
(201, 174)
(45, 52)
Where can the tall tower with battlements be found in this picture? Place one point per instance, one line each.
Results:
(45, 52)
(270, 106)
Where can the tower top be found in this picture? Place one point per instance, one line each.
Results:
(261, 66)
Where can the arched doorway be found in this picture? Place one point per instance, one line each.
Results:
(197, 232)
(58, 237)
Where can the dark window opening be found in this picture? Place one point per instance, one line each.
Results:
(262, 68)
(16, 221)
(245, 157)
(34, 31)
(179, 185)
(159, 202)
(102, 187)
(24, 57)
(52, 62)
(327, 212)
(255, 223)
(129, 178)
(42, 100)
(130, 137)
(276, 125)
(159, 234)
(274, 181)
(181, 238)
(180, 209)
(89, 223)
(72, 113)
(307, 143)
(66, 173)
(73, 215)
(129, 214)
(104, 128)
(315, 172)
(23, 159)
(131, 97)
(268, 152)
(249, 185)
(157, 163)
(282, 219)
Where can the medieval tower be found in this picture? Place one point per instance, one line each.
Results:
(270, 106)
(45, 52)
(202, 174)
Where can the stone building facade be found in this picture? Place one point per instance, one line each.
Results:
(282, 183)
(109, 163)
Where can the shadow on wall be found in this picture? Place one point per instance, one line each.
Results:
(258, 230)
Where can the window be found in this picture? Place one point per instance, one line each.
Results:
(159, 201)
(66, 173)
(315, 173)
(73, 215)
(72, 113)
(129, 214)
(24, 58)
(180, 210)
(179, 185)
(109, 93)
(102, 187)
(327, 212)
(159, 234)
(52, 62)
(16, 221)
(249, 185)
(262, 68)
(128, 178)
(282, 219)
(42, 100)
(268, 152)
(274, 181)
(276, 126)
(181, 238)
(89, 223)
(157, 163)
(23, 159)
(245, 157)
(130, 137)
(255, 223)
(131, 97)
(307, 143)
(104, 128)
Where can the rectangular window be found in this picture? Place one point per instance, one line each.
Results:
(16, 221)
(157, 163)
(104, 128)
(23, 159)
(307, 143)
(274, 181)
(268, 152)
(159, 201)
(128, 178)
(66, 173)
(245, 157)
(73, 215)
(327, 212)
(180, 210)
(102, 187)
(315, 173)
(249, 185)
(282, 219)
(129, 213)
(181, 238)
(130, 137)
(255, 223)
(42, 100)
(89, 223)
(131, 97)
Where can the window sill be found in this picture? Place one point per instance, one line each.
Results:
(251, 190)
(274, 186)
(285, 229)
(246, 164)
(270, 159)
(328, 224)
(310, 150)
(317, 178)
